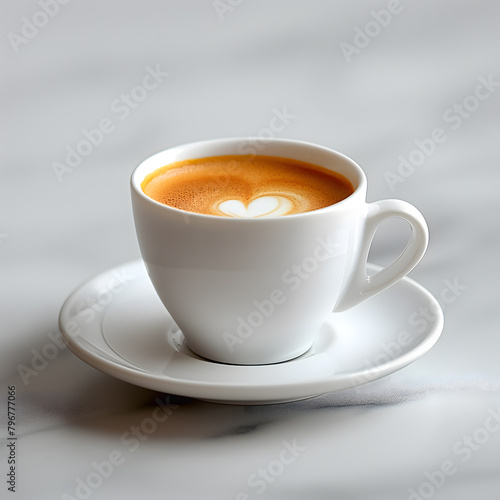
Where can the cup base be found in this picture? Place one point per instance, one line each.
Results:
(255, 361)
(134, 339)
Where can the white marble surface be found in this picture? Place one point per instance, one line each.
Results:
(429, 431)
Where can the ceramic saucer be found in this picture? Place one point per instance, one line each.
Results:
(116, 323)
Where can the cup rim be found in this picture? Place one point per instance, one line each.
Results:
(143, 168)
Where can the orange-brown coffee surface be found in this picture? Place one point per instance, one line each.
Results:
(246, 186)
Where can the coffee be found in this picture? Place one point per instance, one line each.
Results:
(246, 186)
(224, 280)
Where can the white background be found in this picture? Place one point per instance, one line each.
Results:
(230, 70)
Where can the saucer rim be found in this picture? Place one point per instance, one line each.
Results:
(252, 393)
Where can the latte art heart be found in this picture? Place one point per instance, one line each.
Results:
(246, 186)
(265, 206)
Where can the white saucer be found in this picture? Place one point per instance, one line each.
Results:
(116, 323)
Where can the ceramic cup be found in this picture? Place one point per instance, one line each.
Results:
(257, 291)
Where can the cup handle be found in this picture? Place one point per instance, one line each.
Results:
(361, 286)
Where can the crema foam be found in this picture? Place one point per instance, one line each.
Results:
(246, 186)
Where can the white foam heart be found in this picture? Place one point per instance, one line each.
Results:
(265, 206)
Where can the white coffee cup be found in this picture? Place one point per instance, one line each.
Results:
(256, 291)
